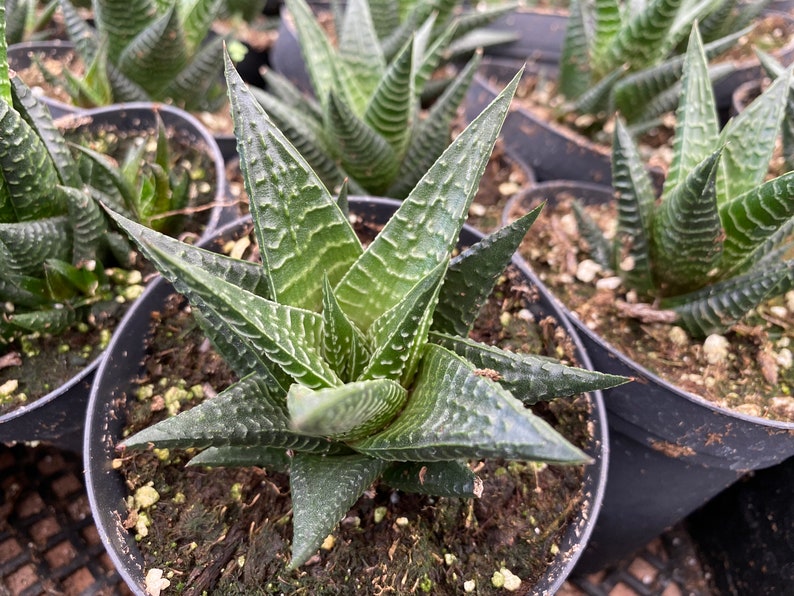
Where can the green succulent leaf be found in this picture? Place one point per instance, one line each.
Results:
(529, 377)
(575, 65)
(53, 320)
(197, 19)
(196, 83)
(687, 231)
(273, 459)
(87, 222)
(245, 414)
(297, 222)
(345, 413)
(717, 307)
(744, 165)
(635, 201)
(345, 347)
(323, 490)
(399, 334)
(754, 217)
(122, 20)
(27, 171)
(697, 123)
(600, 249)
(431, 135)
(364, 153)
(30, 243)
(375, 282)
(608, 21)
(455, 413)
(359, 46)
(473, 274)
(642, 39)
(437, 478)
(79, 31)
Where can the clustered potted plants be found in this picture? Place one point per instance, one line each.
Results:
(338, 382)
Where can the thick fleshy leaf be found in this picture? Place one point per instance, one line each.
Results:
(398, 336)
(155, 55)
(280, 86)
(601, 251)
(198, 20)
(455, 413)
(529, 377)
(52, 320)
(687, 231)
(122, 21)
(38, 118)
(245, 414)
(635, 201)
(473, 274)
(30, 243)
(717, 307)
(575, 69)
(749, 140)
(364, 153)
(697, 124)
(431, 135)
(392, 106)
(273, 459)
(425, 228)
(359, 46)
(642, 39)
(302, 233)
(27, 170)
(196, 85)
(754, 217)
(345, 347)
(347, 413)
(436, 478)
(87, 223)
(606, 26)
(323, 490)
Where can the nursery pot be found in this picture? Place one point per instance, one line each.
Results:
(539, 36)
(671, 450)
(59, 416)
(745, 535)
(113, 386)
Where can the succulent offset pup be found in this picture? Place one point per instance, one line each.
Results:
(354, 362)
(145, 51)
(623, 55)
(365, 124)
(714, 247)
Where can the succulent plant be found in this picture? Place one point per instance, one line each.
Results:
(145, 51)
(54, 235)
(366, 123)
(714, 246)
(774, 69)
(27, 20)
(624, 56)
(354, 362)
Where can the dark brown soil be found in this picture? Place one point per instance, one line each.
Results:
(227, 531)
(755, 376)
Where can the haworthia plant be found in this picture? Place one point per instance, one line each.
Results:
(54, 236)
(366, 124)
(624, 56)
(714, 246)
(28, 20)
(347, 372)
(145, 50)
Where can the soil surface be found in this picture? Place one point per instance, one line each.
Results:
(227, 531)
(754, 375)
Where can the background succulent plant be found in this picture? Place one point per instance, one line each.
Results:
(146, 51)
(366, 123)
(714, 247)
(27, 20)
(354, 361)
(54, 237)
(628, 56)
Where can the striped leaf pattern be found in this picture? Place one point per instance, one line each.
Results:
(122, 21)
(479, 420)
(438, 478)
(30, 243)
(641, 41)
(345, 347)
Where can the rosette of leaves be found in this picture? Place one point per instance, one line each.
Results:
(145, 50)
(54, 236)
(366, 125)
(354, 362)
(714, 246)
(628, 56)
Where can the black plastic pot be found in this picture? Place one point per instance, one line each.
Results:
(539, 36)
(745, 536)
(672, 451)
(59, 416)
(20, 57)
(106, 489)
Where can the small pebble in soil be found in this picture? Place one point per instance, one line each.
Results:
(504, 578)
(328, 543)
(450, 559)
(715, 348)
(608, 283)
(587, 271)
(379, 514)
(469, 586)
(785, 358)
(145, 497)
(678, 336)
(155, 582)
